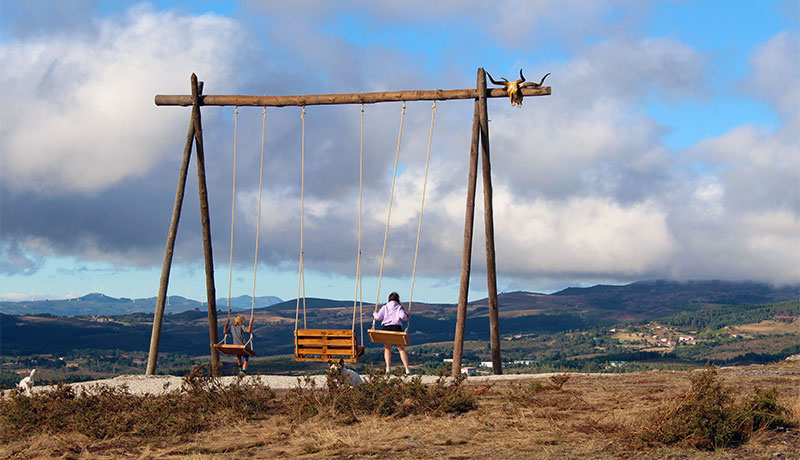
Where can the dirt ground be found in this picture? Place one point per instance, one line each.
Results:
(593, 417)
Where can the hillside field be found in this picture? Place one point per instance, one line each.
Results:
(599, 416)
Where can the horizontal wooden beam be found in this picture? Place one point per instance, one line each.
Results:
(345, 98)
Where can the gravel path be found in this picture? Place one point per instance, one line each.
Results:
(159, 384)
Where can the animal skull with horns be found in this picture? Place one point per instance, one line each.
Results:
(513, 87)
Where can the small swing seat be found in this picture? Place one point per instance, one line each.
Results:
(235, 350)
(388, 337)
(322, 345)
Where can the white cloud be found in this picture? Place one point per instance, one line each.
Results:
(580, 236)
(79, 112)
(18, 296)
(759, 168)
(584, 187)
(753, 245)
(738, 216)
(776, 73)
(706, 203)
(592, 136)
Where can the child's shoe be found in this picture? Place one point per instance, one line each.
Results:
(408, 371)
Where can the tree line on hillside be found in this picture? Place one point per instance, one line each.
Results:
(729, 315)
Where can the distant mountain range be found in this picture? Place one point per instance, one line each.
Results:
(101, 304)
(520, 313)
(635, 299)
(643, 299)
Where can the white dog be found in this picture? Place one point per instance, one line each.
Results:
(351, 376)
(26, 384)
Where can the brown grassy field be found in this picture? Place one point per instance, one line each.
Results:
(581, 416)
(770, 327)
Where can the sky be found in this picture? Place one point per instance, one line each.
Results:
(669, 148)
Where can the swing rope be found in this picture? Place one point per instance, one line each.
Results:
(233, 209)
(421, 208)
(301, 286)
(301, 282)
(358, 299)
(389, 215)
(258, 222)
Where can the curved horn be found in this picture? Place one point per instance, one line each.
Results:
(521, 77)
(495, 81)
(545, 76)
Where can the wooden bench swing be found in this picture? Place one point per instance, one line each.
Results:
(326, 344)
(235, 350)
(232, 349)
(401, 337)
(321, 345)
(388, 337)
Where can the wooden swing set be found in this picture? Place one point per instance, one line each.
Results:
(325, 344)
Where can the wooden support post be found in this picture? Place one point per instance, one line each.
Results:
(491, 273)
(466, 253)
(205, 219)
(166, 266)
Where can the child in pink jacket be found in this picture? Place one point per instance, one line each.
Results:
(391, 316)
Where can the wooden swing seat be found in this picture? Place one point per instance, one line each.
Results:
(388, 337)
(326, 344)
(236, 350)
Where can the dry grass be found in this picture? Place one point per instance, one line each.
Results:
(794, 408)
(770, 327)
(596, 417)
(629, 336)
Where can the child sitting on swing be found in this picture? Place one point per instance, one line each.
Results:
(391, 316)
(238, 333)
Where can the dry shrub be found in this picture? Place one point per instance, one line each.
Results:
(531, 391)
(762, 411)
(558, 381)
(708, 417)
(525, 393)
(380, 394)
(104, 412)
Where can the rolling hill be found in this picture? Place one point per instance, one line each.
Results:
(520, 312)
(101, 304)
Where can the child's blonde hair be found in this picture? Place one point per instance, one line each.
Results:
(238, 320)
